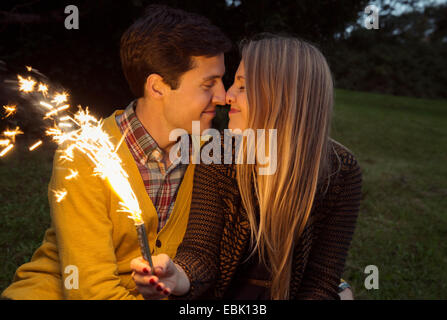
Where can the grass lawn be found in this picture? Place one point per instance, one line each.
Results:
(401, 145)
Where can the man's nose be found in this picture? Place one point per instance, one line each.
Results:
(219, 96)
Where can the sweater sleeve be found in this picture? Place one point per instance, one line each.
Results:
(198, 254)
(329, 251)
(84, 232)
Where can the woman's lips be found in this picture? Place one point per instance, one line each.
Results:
(210, 112)
(232, 110)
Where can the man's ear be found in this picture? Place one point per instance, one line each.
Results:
(155, 86)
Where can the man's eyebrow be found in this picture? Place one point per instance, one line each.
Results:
(212, 77)
(240, 77)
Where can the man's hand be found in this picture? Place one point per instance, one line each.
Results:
(166, 278)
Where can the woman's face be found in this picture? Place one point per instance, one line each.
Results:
(236, 97)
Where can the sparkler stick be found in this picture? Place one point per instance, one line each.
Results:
(73, 174)
(144, 245)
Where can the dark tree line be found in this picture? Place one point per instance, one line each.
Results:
(405, 56)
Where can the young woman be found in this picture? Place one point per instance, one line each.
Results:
(280, 236)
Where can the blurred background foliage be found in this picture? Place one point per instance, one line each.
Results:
(405, 56)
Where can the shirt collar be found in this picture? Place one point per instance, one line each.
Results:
(148, 149)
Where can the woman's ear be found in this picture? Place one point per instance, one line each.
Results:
(155, 86)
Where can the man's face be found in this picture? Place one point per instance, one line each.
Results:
(200, 90)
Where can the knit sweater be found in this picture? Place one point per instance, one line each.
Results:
(218, 231)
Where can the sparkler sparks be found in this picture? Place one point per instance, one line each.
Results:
(43, 88)
(26, 85)
(6, 150)
(51, 113)
(73, 174)
(9, 110)
(65, 118)
(55, 111)
(60, 195)
(87, 136)
(83, 132)
(12, 133)
(60, 98)
(46, 105)
(65, 125)
(53, 132)
(36, 145)
(90, 139)
(62, 108)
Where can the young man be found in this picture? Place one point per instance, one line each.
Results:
(174, 63)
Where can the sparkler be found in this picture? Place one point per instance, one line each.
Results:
(5, 143)
(90, 139)
(12, 133)
(43, 88)
(55, 111)
(46, 105)
(34, 146)
(60, 98)
(9, 110)
(87, 136)
(6, 150)
(26, 85)
(60, 195)
(73, 174)
(144, 245)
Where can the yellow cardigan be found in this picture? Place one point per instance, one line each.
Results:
(87, 232)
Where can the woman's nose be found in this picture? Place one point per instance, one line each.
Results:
(229, 97)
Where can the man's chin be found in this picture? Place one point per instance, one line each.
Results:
(198, 126)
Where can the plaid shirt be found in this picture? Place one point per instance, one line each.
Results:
(161, 183)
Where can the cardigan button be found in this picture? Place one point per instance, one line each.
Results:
(158, 243)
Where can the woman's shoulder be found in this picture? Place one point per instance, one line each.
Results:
(341, 158)
(343, 172)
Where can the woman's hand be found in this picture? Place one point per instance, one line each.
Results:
(166, 278)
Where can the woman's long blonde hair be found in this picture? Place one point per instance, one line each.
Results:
(289, 88)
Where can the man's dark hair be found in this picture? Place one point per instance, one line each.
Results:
(163, 41)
